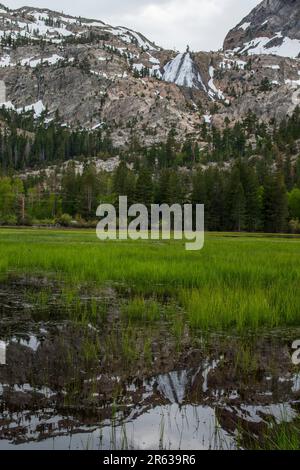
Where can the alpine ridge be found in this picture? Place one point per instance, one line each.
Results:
(273, 27)
(96, 76)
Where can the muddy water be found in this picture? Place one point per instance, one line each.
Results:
(71, 383)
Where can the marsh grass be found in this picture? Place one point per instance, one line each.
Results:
(234, 307)
(283, 436)
(235, 282)
(139, 309)
(129, 347)
(68, 304)
(91, 349)
(39, 299)
(246, 362)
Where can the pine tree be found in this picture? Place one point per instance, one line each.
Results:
(124, 183)
(236, 202)
(7, 198)
(275, 206)
(198, 189)
(294, 203)
(144, 190)
(89, 185)
(70, 191)
(253, 206)
(215, 210)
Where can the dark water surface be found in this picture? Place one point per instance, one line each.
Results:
(71, 383)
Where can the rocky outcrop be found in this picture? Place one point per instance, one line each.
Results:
(184, 72)
(273, 27)
(96, 75)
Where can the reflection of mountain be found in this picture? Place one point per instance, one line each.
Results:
(39, 413)
(182, 386)
(173, 386)
(50, 390)
(2, 352)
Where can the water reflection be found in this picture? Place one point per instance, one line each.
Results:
(64, 386)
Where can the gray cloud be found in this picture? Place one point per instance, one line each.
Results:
(202, 24)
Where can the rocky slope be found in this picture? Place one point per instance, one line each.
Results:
(273, 27)
(99, 76)
(35, 23)
(93, 74)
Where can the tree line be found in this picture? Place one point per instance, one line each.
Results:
(235, 198)
(247, 175)
(27, 143)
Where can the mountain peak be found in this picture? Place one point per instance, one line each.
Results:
(270, 28)
(42, 23)
(183, 71)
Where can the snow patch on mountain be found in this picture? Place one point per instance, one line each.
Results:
(180, 71)
(129, 36)
(32, 62)
(138, 67)
(288, 47)
(5, 61)
(183, 71)
(245, 26)
(214, 92)
(154, 71)
(271, 28)
(292, 82)
(55, 27)
(34, 30)
(228, 64)
(38, 108)
(141, 40)
(207, 118)
(53, 60)
(153, 60)
(272, 67)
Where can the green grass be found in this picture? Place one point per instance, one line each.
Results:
(286, 436)
(234, 282)
(283, 436)
(139, 309)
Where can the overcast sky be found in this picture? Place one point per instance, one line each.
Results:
(173, 24)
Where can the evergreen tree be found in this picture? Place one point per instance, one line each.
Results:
(236, 202)
(89, 188)
(294, 203)
(144, 190)
(70, 191)
(215, 210)
(275, 208)
(124, 182)
(253, 205)
(198, 188)
(7, 198)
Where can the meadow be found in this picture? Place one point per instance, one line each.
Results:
(119, 325)
(236, 282)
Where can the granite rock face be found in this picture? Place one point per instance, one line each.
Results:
(96, 75)
(273, 27)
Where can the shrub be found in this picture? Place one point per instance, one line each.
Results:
(8, 220)
(65, 220)
(294, 226)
